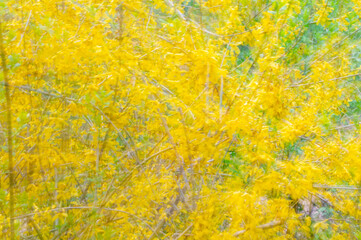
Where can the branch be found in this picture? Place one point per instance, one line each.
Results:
(333, 79)
(29, 89)
(181, 15)
(269, 225)
(9, 133)
(186, 230)
(320, 186)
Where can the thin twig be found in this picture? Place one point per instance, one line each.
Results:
(26, 26)
(222, 82)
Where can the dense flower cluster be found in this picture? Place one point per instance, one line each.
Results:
(161, 119)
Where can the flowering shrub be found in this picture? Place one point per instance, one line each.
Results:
(192, 119)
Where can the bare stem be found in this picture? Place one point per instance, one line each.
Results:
(9, 132)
